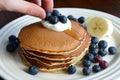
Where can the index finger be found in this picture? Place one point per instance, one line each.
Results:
(25, 7)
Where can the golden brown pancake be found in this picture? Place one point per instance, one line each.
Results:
(37, 37)
(51, 50)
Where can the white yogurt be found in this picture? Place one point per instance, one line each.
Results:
(58, 26)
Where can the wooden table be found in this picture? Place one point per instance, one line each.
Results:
(109, 6)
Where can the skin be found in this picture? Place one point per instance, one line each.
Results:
(35, 7)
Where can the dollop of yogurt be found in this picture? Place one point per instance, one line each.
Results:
(58, 26)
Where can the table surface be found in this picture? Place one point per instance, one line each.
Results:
(109, 6)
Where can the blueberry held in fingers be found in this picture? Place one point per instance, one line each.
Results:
(48, 15)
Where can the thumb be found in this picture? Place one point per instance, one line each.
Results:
(26, 8)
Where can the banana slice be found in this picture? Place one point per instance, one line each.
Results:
(99, 26)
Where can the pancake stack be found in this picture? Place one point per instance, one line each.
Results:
(51, 50)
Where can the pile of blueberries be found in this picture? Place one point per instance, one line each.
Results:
(56, 16)
(12, 46)
(13, 43)
(97, 50)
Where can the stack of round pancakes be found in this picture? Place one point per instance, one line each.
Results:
(51, 50)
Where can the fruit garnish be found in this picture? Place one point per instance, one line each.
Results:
(56, 13)
(99, 26)
(97, 51)
(70, 17)
(71, 69)
(90, 57)
(102, 52)
(12, 38)
(94, 52)
(112, 50)
(11, 47)
(102, 44)
(33, 70)
(63, 19)
(94, 40)
(86, 71)
(93, 46)
(13, 43)
(96, 68)
(48, 14)
(81, 19)
(103, 64)
(53, 19)
(98, 58)
(86, 63)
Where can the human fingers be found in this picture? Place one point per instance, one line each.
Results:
(38, 2)
(47, 5)
(25, 7)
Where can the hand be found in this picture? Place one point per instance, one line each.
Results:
(26, 7)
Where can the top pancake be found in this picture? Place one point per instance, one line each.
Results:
(37, 37)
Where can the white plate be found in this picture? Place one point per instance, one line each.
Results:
(11, 67)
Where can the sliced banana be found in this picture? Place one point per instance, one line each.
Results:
(99, 26)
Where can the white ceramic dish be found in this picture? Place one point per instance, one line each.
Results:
(11, 67)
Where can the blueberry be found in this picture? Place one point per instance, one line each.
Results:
(86, 63)
(81, 19)
(12, 38)
(112, 50)
(56, 13)
(63, 19)
(102, 52)
(75, 19)
(102, 44)
(92, 46)
(86, 71)
(48, 14)
(96, 68)
(103, 64)
(70, 17)
(94, 52)
(11, 47)
(71, 69)
(90, 57)
(33, 70)
(94, 40)
(53, 19)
